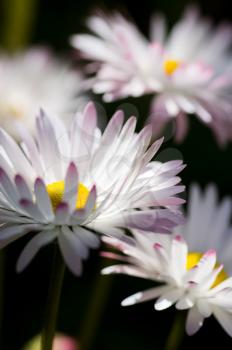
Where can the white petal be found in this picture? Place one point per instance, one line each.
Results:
(48, 147)
(42, 199)
(71, 186)
(91, 201)
(144, 296)
(8, 189)
(11, 233)
(204, 268)
(179, 256)
(89, 238)
(93, 47)
(34, 245)
(31, 149)
(225, 319)
(184, 303)
(70, 252)
(23, 189)
(32, 210)
(160, 220)
(13, 151)
(83, 137)
(204, 308)
(62, 213)
(129, 270)
(158, 28)
(78, 217)
(168, 299)
(81, 249)
(194, 321)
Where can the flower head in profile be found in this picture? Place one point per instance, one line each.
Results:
(187, 78)
(67, 183)
(33, 79)
(191, 277)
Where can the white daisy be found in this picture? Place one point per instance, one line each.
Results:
(33, 79)
(207, 224)
(193, 79)
(67, 183)
(192, 279)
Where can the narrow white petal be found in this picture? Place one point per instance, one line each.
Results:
(32, 210)
(179, 256)
(184, 303)
(62, 213)
(22, 187)
(129, 270)
(168, 299)
(8, 189)
(224, 318)
(89, 238)
(34, 245)
(80, 248)
(204, 308)
(70, 253)
(91, 201)
(71, 186)
(159, 220)
(42, 199)
(194, 321)
(204, 268)
(144, 296)
(13, 151)
(11, 233)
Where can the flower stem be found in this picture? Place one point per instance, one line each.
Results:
(176, 334)
(95, 310)
(53, 300)
(19, 19)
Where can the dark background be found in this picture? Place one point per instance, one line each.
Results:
(138, 327)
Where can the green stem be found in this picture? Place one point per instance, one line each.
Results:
(94, 312)
(19, 19)
(176, 334)
(53, 300)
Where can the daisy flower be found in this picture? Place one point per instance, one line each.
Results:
(68, 182)
(187, 79)
(207, 223)
(191, 279)
(35, 78)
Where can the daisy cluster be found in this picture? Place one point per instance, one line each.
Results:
(67, 181)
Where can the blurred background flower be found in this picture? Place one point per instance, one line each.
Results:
(188, 78)
(61, 342)
(36, 79)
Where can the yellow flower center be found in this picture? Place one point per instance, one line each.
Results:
(56, 191)
(15, 110)
(193, 259)
(170, 66)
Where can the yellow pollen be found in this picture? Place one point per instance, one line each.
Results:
(56, 191)
(16, 111)
(193, 259)
(170, 66)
